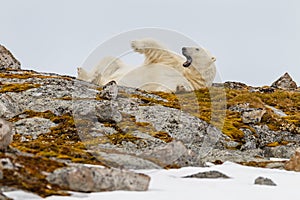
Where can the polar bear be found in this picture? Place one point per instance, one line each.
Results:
(109, 68)
(198, 68)
(162, 70)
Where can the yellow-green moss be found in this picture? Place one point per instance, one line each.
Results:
(201, 107)
(29, 74)
(62, 141)
(128, 125)
(30, 175)
(17, 87)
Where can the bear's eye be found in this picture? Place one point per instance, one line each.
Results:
(197, 49)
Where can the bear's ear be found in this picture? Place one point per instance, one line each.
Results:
(213, 59)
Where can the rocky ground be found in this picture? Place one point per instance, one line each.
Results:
(52, 126)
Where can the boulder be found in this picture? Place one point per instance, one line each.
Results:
(125, 161)
(110, 91)
(209, 174)
(6, 134)
(285, 82)
(88, 179)
(7, 60)
(8, 107)
(107, 111)
(264, 181)
(294, 163)
(34, 126)
(253, 116)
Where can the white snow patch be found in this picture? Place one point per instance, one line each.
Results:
(168, 184)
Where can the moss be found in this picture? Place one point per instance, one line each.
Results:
(26, 74)
(62, 141)
(201, 107)
(164, 136)
(263, 164)
(118, 138)
(29, 174)
(17, 87)
(128, 126)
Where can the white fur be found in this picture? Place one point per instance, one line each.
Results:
(162, 69)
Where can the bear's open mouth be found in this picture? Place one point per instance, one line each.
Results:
(189, 59)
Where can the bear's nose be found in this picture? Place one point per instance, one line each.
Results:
(183, 49)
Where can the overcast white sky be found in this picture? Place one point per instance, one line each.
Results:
(255, 41)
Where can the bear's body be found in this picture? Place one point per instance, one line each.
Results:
(162, 69)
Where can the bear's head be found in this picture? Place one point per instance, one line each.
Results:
(142, 45)
(198, 57)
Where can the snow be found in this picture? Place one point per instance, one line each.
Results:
(168, 184)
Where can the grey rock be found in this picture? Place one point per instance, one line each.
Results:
(6, 134)
(240, 107)
(34, 126)
(283, 151)
(173, 153)
(232, 144)
(252, 116)
(285, 82)
(6, 163)
(166, 154)
(264, 181)
(86, 179)
(216, 155)
(110, 91)
(249, 115)
(235, 85)
(267, 136)
(251, 141)
(8, 107)
(7, 60)
(107, 111)
(194, 133)
(209, 174)
(125, 161)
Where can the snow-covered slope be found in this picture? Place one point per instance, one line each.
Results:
(169, 184)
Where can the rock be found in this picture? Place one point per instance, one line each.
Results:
(240, 107)
(1, 171)
(8, 107)
(7, 60)
(6, 134)
(264, 181)
(294, 163)
(235, 85)
(87, 179)
(107, 111)
(249, 115)
(253, 116)
(6, 163)
(166, 154)
(110, 91)
(221, 156)
(173, 153)
(209, 174)
(285, 82)
(251, 141)
(125, 161)
(34, 126)
(282, 151)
